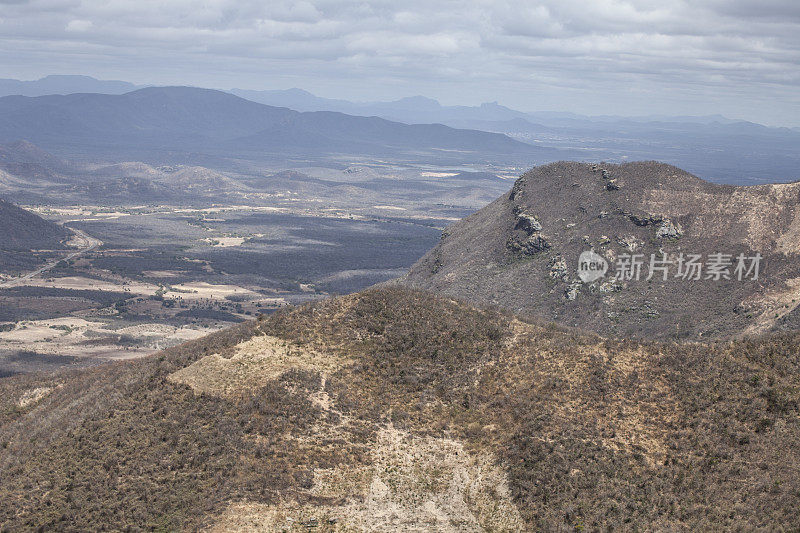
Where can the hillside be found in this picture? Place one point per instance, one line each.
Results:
(23, 230)
(26, 239)
(26, 160)
(186, 119)
(521, 252)
(396, 410)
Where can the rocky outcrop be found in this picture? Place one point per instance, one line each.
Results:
(516, 190)
(530, 246)
(528, 223)
(571, 292)
(559, 270)
(531, 241)
(644, 220)
(525, 253)
(668, 230)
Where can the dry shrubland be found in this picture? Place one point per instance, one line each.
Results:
(583, 432)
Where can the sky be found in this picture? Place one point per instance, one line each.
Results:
(740, 58)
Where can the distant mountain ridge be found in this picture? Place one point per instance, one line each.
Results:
(192, 119)
(64, 84)
(720, 149)
(716, 147)
(421, 109)
(411, 110)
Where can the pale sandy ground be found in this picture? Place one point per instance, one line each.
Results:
(67, 336)
(53, 338)
(414, 483)
(163, 273)
(196, 290)
(773, 306)
(202, 290)
(225, 242)
(50, 337)
(437, 174)
(83, 283)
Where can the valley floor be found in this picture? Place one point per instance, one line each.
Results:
(149, 276)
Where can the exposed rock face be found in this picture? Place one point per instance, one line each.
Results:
(645, 220)
(531, 241)
(668, 230)
(532, 245)
(528, 223)
(572, 290)
(559, 269)
(533, 237)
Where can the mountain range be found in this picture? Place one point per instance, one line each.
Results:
(63, 84)
(417, 109)
(159, 120)
(524, 375)
(715, 147)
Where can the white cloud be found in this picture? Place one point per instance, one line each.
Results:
(79, 25)
(690, 54)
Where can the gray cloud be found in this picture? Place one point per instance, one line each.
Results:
(738, 57)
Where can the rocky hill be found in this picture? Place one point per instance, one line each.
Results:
(682, 254)
(395, 410)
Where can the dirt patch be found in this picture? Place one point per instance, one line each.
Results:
(773, 306)
(225, 242)
(32, 396)
(414, 484)
(254, 362)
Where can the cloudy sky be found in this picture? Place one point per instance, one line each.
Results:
(740, 58)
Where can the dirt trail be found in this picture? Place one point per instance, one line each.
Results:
(86, 243)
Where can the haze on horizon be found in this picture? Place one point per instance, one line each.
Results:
(739, 58)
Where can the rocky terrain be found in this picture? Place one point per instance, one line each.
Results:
(395, 410)
(645, 221)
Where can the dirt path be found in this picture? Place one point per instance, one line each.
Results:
(86, 244)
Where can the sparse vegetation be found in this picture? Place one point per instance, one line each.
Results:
(592, 434)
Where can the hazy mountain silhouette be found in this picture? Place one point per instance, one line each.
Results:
(63, 84)
(716, 147)
(185, 118)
